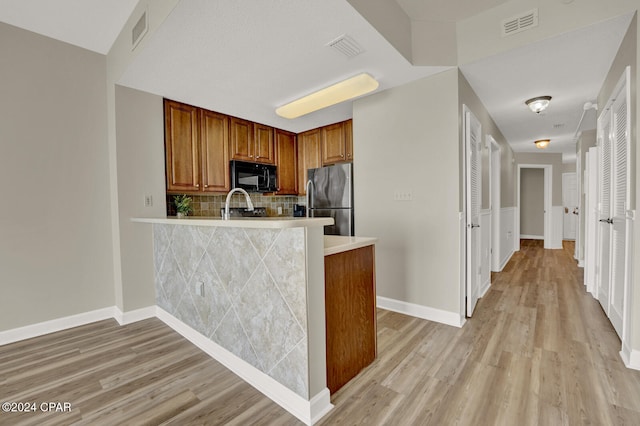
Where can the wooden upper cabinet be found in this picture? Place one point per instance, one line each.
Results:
(251, 142)
(348, 139)
(196, 149)
(241, 139)
(337, 143)
(264, 151)
(181, 147)
(214, 149)
(309, 156)
(333, 147)
(286, 160)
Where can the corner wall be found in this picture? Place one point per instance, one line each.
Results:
(404, 141)
(55, 237)
(140, 154)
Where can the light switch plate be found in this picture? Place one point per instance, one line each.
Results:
(148, 200)
(403, 195)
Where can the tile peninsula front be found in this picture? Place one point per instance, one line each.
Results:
(253, 287)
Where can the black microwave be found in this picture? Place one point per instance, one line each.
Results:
(253, 177)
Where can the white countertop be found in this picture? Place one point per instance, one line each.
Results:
(334, 244)
(241, 222)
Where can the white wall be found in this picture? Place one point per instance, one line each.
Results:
(55, 229)
(403, 140)
(140, 153)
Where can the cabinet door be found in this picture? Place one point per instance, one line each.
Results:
(350, 314)
(309, 156)
(181, 147)
(214, 150)
(264, 151)
(333, 144)
(241, 140)
(348, 139)
(286, 157)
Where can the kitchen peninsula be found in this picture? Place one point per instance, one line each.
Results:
(253, 288)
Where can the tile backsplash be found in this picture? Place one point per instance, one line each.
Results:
(210, 205)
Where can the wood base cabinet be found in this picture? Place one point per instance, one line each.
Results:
(350, 307)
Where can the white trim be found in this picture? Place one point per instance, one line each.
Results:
(630, 357)
(306, 411)
(420, 311)
(59, 324)
(506, 260)
(130, 317)
(495, 155)
(549, 241)
(531, 237)
(309, 412)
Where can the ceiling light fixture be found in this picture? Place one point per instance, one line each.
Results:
(542, 143)
(538, 104)
(347, 89)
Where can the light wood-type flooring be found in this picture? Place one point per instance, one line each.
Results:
(538, 351)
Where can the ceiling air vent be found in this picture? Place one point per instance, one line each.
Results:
(139, 30)
(346, 45)
(519, 23)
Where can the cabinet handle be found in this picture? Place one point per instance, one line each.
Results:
(341, 155)
(206, 186)
(197, 185)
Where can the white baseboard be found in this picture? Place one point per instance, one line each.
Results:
(308, 412)
(531, 237)
(630, 357)
(484, 288)
(46, 327)
(505, 261)
(420, 311)
(130, 317)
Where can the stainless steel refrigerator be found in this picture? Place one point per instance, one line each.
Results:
(330, 194)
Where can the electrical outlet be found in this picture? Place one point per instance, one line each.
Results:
(148, 200)
(200, 289)
(405, 195)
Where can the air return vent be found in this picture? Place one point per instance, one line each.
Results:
(519, 23)
(139, 30)
(346, 45)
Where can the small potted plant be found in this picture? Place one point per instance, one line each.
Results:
(183, 205)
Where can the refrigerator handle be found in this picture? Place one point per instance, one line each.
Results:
(309, 189)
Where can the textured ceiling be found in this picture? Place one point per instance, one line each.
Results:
(445, 10)
(91, 24)
(571, 68)
(247, 57)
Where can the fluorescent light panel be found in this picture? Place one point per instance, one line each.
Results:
(347, 89)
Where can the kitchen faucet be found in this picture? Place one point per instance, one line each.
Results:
(226, 203)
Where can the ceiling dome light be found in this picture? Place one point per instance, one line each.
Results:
(538, 104)
(542, 143)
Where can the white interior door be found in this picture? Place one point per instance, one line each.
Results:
(619, 199)
(570, 203)
(591, 220)
(603, 270)
(473, 195)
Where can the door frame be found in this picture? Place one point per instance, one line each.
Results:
(548, 180)
(495, 155)
(564, 176)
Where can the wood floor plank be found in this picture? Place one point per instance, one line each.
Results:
(538, 351)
